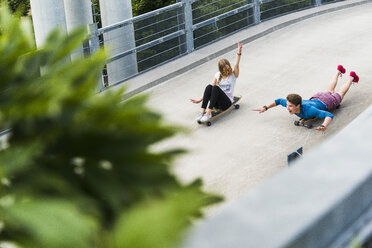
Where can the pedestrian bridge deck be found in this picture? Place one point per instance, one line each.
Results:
(244, 148)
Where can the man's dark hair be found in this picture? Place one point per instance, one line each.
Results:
(294, 99)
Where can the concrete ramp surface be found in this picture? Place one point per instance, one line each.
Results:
(243, 148)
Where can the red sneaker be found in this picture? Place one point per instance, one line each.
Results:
(355, 76)
(341, 69)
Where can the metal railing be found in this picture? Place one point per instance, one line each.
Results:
(176, 30)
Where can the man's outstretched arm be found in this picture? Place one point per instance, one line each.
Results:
(277, 102)
(266, 107)
(328, 117)
(325, 124)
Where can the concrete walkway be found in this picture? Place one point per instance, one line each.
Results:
(244, 148)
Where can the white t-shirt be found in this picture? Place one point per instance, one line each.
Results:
(227, 85)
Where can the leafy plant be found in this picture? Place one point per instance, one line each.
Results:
(77, 169)
(143, 6)
(23, 6)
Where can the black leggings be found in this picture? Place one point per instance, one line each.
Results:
(216, 98)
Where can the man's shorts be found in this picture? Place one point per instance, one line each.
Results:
(331, 100)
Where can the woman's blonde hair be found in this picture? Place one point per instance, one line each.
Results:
(221, 67)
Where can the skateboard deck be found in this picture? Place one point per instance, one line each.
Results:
(309, 123)
(218, 112)
(306, 123)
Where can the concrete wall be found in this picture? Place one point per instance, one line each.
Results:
(120, 40)
(316, 203)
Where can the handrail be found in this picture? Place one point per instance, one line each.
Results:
(221, 16)
(139, 18)
(147, 45)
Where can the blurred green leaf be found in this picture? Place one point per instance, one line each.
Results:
(50, 224)
(21, 6)
(17, 159)
(159, 223)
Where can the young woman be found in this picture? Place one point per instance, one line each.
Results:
(220, 93)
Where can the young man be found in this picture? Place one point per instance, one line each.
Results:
(318, 105)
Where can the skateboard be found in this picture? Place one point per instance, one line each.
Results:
(306, 123)
(218, 112)
(310, 122)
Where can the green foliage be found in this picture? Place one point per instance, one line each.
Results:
(281, 7)
(143, 6)
(355, 243)
(161, 220)
(206, 9)
(78, 169)
(23, 6)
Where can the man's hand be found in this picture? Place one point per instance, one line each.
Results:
(321, 128)
(260, 110)
(325, 124)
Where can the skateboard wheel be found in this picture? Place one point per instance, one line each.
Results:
(297, 123)
(208, 123)
(199, 122)
(236, 106)
(310, 126)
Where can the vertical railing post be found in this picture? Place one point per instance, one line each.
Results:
(93, 47)
(188, 25)
(257, 11)
(181, 26)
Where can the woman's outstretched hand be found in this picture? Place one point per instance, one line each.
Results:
(195, 101)
(240, 47)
